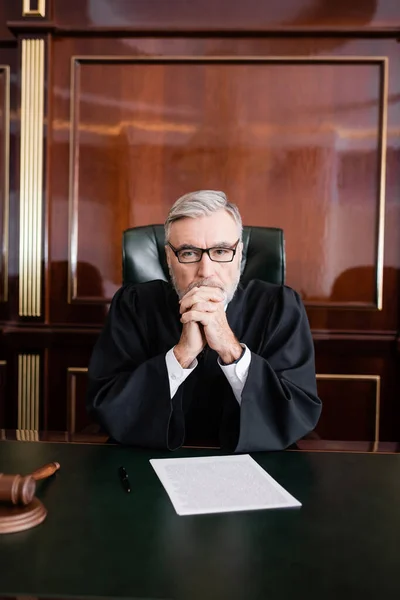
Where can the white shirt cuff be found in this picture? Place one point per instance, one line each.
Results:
(236, 373)
(176, 373)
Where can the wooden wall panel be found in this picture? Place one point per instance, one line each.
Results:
(3, 393)
(65, 378)
(297, 142)
(9, 11)
(356, 398)
(211, 15)
(8, 388)
(77, 417)
(319, 176)
(4, 178)
(9, 217)
(285, 129)
(352, 406)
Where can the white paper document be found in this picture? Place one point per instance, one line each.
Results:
(220, 484)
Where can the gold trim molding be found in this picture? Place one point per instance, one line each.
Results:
(5, 191)
(31, 177)
(381, 61)
(40, 11)
(28, 391)
(377, 380)
(71, 399)
(382, 183)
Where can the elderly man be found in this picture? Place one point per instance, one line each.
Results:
(205, 361)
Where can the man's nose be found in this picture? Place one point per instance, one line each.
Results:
(205, 266)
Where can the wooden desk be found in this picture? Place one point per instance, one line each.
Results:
(99, 541)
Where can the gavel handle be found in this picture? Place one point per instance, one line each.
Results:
(46, 471)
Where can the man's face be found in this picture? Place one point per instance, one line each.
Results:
(218, 229)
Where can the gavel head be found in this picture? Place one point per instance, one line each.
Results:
(15, 489)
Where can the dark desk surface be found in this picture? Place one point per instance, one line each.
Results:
(99, 541)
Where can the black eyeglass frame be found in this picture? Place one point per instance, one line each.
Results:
(202, 250)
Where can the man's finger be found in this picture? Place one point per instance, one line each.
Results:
(197, 316)
(206, 306)
(200, 296)
(211, 292)
(214, 293)
(202, 306)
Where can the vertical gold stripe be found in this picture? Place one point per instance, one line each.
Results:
(378, 414)
(36, 424)
(34, 380)
(23, 416)
(382, 188)
(40, 11)
(39, 172)
(24, 388)
(22, 235)
(28, 395)
(6, 182)
(32, 171)
(28, 174)
(72, 423)
(27, 390)
(31, 177)
(33, 204)
(33, 394)
(29, 199)
(19, 391)
(35, 177)
(73, 180)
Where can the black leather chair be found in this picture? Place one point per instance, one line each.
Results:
(143, 254)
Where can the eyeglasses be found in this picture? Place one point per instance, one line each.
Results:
(190, 254)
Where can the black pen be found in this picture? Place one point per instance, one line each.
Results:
(123, 475)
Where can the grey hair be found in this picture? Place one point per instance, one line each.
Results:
(201, 204)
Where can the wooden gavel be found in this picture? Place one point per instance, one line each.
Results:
(15, 489)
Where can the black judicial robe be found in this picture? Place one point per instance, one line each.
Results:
(129, 392)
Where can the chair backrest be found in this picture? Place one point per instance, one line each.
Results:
(143, 254)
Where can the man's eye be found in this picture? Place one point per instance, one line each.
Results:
(187, 254)
(221, 251)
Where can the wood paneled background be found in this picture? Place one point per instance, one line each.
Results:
(292, 108)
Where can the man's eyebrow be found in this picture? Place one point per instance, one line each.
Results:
(223, 245)
(188, 247)
(215, 245)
